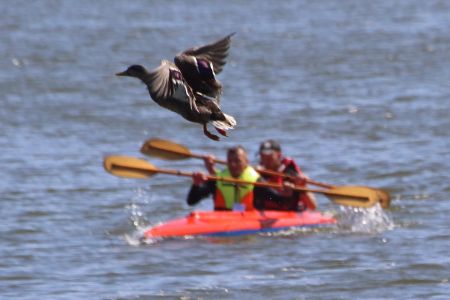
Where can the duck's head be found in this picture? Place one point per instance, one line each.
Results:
(134, 71)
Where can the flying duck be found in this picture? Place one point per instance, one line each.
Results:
(188, 86)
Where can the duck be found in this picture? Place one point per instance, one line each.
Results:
(188, 86)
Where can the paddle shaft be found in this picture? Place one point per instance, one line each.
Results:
(237, 181)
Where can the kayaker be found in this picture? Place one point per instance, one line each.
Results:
(228, 196)
(272, 159)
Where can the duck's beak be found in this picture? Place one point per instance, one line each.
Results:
(124, 73)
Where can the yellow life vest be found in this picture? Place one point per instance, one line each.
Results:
(228, 194)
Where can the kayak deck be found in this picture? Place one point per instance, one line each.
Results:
(233, 223)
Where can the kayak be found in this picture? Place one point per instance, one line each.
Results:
(235, 223)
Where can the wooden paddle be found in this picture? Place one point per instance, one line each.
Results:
(172, 151)
(130, 167)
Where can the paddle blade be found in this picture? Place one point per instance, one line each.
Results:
(129, 167)
(355, 196)
(165, 149)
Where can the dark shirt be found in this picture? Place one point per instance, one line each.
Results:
(270, 199)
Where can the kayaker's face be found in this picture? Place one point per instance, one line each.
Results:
(271, 160)
(237, 162)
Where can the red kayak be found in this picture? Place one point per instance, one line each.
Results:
(232, 223)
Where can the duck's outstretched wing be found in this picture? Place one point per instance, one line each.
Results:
(159, 81)
(216, 52)
(168, 88)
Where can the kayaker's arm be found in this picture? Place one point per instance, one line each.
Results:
(199, 192)
(308, 199)
(210, 162)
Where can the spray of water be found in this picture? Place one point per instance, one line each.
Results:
(137, 217)
(364, 220)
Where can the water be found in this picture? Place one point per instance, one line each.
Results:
(357, 92)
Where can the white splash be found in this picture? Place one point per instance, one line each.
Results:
(365, 220)
(137, 217)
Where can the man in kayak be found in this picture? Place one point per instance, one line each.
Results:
(230, 196)
(272, 159)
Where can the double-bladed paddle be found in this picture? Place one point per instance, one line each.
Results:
(131, 167)
(172, 151)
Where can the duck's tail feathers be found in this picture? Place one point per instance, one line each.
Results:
(226, 124)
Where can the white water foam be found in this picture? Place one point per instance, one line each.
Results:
(364, 220)
(137, 217)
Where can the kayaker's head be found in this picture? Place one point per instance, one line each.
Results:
(237, 160)
(270, 155)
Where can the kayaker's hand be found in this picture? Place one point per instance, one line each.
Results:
(301, 180)
(209, 161)
(199, 178)
(287, 189)
(259, 168)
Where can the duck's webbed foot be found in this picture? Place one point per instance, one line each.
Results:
(209, 134)
(221, 131)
